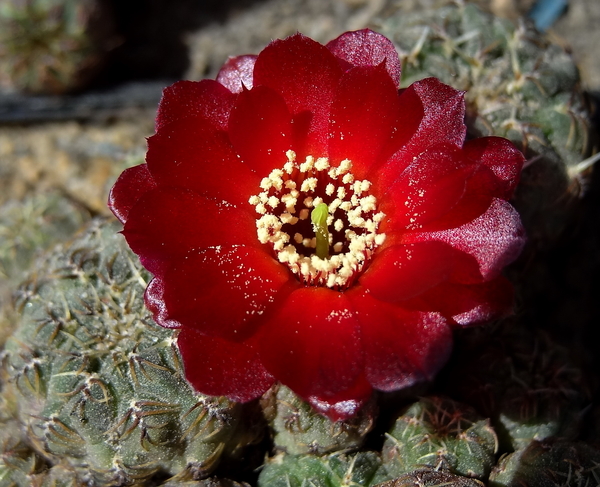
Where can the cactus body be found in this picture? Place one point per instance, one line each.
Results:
(431, 478)
(97, 384)
(298, 429)
(337, 470)
(51, 46)
(524, 381)
(548, 464)
(440, 433)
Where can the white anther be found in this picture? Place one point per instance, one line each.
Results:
(309, 184)
(322, 164)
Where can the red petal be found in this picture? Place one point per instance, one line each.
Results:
(408, 119)
(306, 74)
(444, 114)
(471, 304)
(207, 98)
(442, 122)
(220, 368)
(428, 188)
(237, 73)
(313, 344)
(504, 160)
(402, 347)
(192, 154)
(403, 271)
(260, 129)
(367, 48)
(131, 185)
(495, 239)
(362, 116)
(345, 405)
(170, 222)
(155, 302)
(226, 291)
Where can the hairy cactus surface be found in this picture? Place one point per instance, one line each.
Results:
(336, 470)
(298, 428)
(519, 85)
(52, 46)
(431, 478)
(440, 433)
(548, 464)
(524, 381)
(98, 386)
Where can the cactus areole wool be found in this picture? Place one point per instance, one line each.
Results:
(308, 222)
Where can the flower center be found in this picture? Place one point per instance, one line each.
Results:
(320, 221)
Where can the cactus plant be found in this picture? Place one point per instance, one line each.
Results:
(548, 464)
(98, 386)
(523, 380)
(519, 85)
(431, 478)
(440, 433)
(52, 46)
(298, 429)
(336, 470)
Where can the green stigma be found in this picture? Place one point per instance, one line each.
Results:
(319, 220)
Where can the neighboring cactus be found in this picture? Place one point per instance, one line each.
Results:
(519, 86)
(298, 429)
(52, 46)
(98, 386)
(440, 433)
(521, 379)
(336, 470)
(431, 478)
(549, 464)
(29, 227)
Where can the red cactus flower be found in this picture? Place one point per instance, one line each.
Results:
(307, 222)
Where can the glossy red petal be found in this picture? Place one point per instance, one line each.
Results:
(191, 153)
(401, 347)
(237, 73)
(362, 116)
(131, 185)
(260, 129)
(444, 113)
(403, 271)
(442, 123)
(306, 74)
(346, 404)
(206, 98)
(499, 165)
(428, 188)
(225, 292)
(313, 344)
(168, 223)
(478, 196)
(408, 119)
(154, 298)
(218, 367)
(471, 304)
(495, 239)
(367, 48)
(503, 159)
